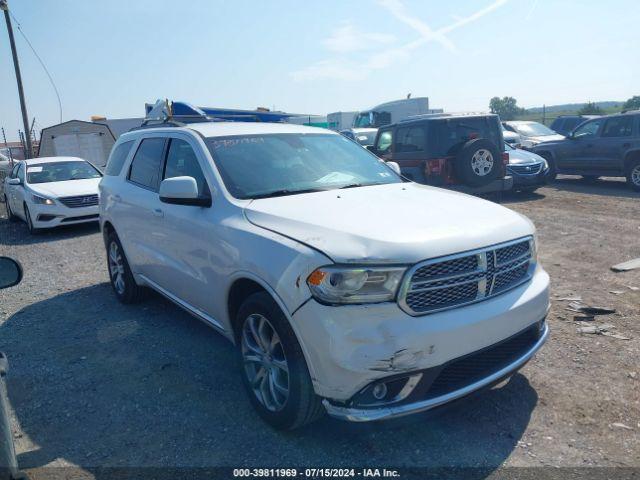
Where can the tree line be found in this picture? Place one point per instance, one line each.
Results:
(508, 109)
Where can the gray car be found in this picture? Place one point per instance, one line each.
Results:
(603, 147)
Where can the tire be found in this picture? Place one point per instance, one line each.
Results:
(633, 175)
(528, 189)
(270, 357)
(120, 277)
(32, 230)
(553, 172)
(10, 216)
(590, 178)
(478, 163)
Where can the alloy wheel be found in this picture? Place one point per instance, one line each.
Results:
(116, 268)
(265, 363)
(635, 175)
(482, 162)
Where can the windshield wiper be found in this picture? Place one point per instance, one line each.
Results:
(284, 192)
(356, 185)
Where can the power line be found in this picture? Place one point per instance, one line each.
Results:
(53, 84)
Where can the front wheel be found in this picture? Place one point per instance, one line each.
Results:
(552, 173)
(274, 371)
(633, 176)
(10, 216)
(32, 230)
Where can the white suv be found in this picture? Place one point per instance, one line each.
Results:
(345, 287)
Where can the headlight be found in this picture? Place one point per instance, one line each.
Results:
(355, 284)
(42, 200)
(545, 164)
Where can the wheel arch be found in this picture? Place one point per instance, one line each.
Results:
(246, 283)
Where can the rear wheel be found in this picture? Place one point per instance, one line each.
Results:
(10, 216)
(633, 175)
(120, 276)
(274, 371)
(32, 230)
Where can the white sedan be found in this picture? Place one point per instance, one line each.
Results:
(50, 191)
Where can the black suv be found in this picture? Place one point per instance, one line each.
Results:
(461, 152)
(603, 147)
(565, 124)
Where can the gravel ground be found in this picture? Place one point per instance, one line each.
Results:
(93, 383)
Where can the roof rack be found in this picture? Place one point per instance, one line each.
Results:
(413, 118)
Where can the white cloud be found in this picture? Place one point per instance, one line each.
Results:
(348, 38)
(342, 68)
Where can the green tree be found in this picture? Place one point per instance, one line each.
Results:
(632, 104)
(590, 108)
(506, 107)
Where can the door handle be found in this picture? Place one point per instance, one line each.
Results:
(158, 213)
(589, 145)
(626, 145)
(117, 198)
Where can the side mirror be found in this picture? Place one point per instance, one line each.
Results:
(182, 191)
(372, 148)
(395, 167)
(10, 272)
(14, 181)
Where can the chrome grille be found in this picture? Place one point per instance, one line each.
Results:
(80, 201)
(532, 169)
(449, 282)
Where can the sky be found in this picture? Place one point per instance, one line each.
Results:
(110, 57)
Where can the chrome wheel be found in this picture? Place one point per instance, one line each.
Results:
(116, 268)
(482, 162)
(635, 175)
(265, 363)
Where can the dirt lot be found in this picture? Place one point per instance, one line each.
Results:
(94, 383)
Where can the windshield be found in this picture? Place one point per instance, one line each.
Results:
(533, 129)
(259, 166)
(508, 147)
(61, 171)
(364, 120)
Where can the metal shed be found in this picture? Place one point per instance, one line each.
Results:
(76, 138)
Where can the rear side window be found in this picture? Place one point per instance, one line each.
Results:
(618, 127)
(410, 139)
(182, 162)
(117, 158)
(145, 167)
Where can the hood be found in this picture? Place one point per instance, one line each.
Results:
(522, 157)
(396, 223)
(547, 138)
(68, 188)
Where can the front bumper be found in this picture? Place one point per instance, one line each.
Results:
(393, 411)
(49, 216)
(498, 185)
(533, 180)
(349, 347)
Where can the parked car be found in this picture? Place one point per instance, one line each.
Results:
(461, 152)
(532, 133)
(344, 287)
(512, 138)
(364, 136)
(51, 191)
(603, 147)
(565, 124)
(529, 171)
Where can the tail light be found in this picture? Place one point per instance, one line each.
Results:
(435, 167)
(505, 158)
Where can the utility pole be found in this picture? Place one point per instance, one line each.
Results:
(16, 65)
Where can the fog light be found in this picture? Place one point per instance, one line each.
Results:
(379, 391)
